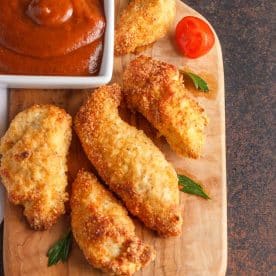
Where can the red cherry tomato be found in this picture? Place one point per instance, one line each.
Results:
(194, 37)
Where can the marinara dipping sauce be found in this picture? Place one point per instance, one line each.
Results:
(51, 37)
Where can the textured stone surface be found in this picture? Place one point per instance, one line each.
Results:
(245, 31)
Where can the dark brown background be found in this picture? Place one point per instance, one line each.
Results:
(245, 29)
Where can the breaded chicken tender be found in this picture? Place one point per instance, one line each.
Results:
(103, 229)
(129, 162)
(33, 165)
(142, 23)
(156, 90)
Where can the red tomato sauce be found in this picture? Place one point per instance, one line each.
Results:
(51, 37)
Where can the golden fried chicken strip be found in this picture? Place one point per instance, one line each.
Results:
(103, 229)
(155, 89)
(142, 23)
(33, 165)
(129, 162)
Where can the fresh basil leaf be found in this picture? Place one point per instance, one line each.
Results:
(54, 258)
(60, 250)
(66, 249)
(199, 83)
(191, 187)
(52, 251)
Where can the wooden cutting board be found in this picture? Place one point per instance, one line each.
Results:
(202, 249)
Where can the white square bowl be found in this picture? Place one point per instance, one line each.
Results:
(59, 82)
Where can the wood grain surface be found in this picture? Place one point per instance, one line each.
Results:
(202, 248)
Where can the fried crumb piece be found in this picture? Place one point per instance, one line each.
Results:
(155, 89)
(142, 23)
(103, 229)
(33, 164)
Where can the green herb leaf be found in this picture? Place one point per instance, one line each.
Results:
(191, 187)
(199, 83)
(66, 249)
(60, 250)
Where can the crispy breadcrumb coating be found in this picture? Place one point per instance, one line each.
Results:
(129, 162)
(33, 165)
(155, 89)
(142, 23)
(103, 229)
